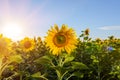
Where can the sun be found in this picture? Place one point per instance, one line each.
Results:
(12, 30)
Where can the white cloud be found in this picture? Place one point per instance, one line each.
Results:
(110, 28)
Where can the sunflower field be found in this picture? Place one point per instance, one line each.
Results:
(60, 56)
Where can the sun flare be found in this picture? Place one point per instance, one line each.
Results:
(12, 30)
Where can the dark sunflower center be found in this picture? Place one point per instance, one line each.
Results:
(60, 40)
(27, 44)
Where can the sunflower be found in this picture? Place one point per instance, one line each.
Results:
(87, 31)
(4, 45)
(59, 40)
(27, 44)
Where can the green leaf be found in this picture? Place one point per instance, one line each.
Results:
(11, 67)
(59, 68)
(43, 60)
(95, 60)
(92, 57)
(118, 76)
(68, 59)
(16, 58)
(78, 65)
(81, 35)
(85, 38)
(78, 74)
(36, 75)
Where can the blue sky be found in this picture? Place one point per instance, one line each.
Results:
(102, 17)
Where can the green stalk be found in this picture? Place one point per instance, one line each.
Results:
(3, 68)
(20, 77)
(64, 74)
(69, 77)
(43, 77)
(59, 64)
(58, 75)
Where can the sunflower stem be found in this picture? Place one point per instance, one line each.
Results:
(43, 77)
(60, 63)
(69, 77)
(3, 67)
(58, 74)
(20, 77)
(64, 74)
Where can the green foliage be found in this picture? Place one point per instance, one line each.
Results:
(78, 65)
(16, 58)
(45, 60)
(91, 60)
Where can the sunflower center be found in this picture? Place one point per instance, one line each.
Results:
(27, 44)
(60, 40)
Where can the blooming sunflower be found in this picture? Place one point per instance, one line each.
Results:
(4, 45)
(59, 40)
(27, 44)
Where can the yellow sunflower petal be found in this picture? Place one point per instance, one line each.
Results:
(56, 27)
(63, 39)
(5, 46)
(27, 44)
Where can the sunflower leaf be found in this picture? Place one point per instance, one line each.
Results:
(43, 60)
(16, 58)
(57, 68)
(78, 74)
(36, 75)
(78, 65)
(68, 59)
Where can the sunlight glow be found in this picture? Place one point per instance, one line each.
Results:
(12, 30)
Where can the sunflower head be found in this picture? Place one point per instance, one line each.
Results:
(5, 45)
(98, 40)
(27, 44)
(61, 39)
(87, 31)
